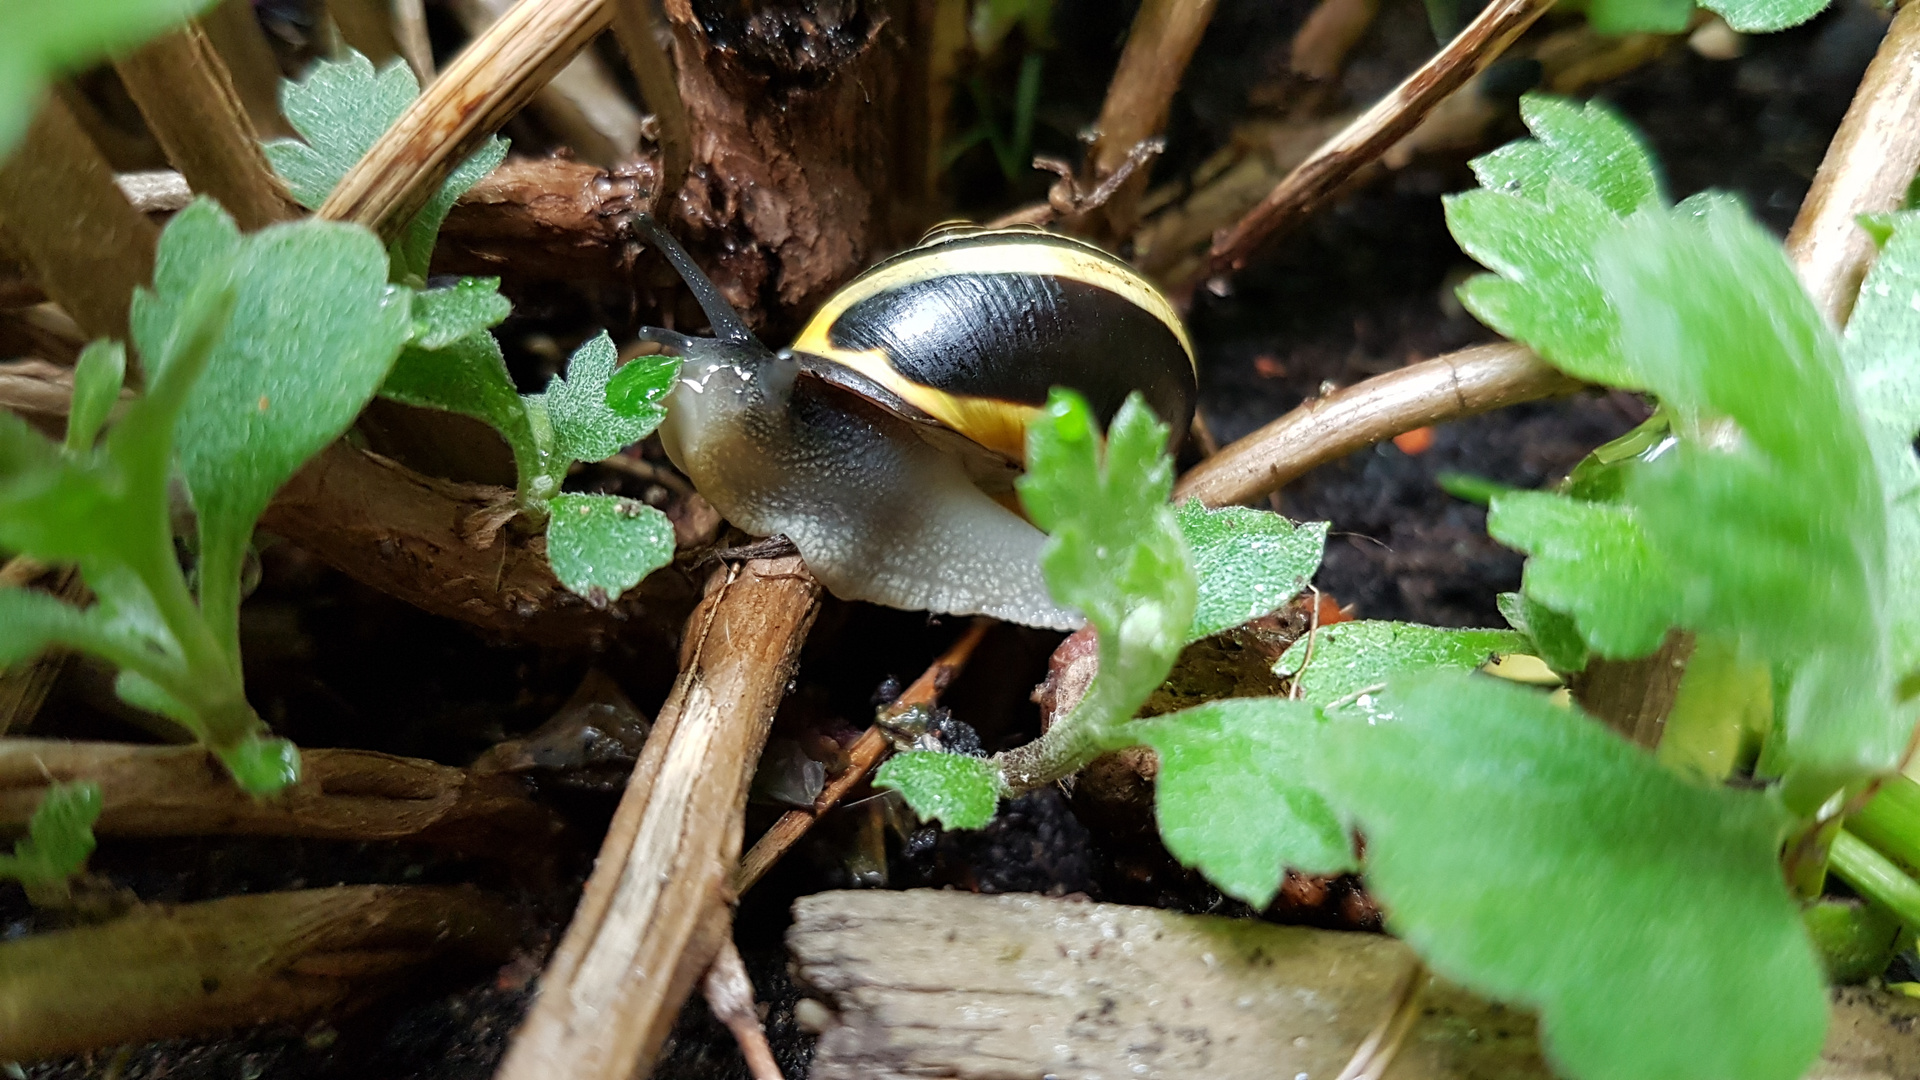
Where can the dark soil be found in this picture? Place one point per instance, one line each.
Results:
(1365, 288)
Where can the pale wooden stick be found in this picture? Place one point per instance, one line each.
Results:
(1324, 429)
(485, 85)
(729, 994)
(653, 914)
(85, 243)
(581, 103)
(1376, 130)
(188, 99)
(638, 28)
(1872, 159)
(1164, 36)
(868, 751)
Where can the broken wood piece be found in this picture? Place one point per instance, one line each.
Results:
(657, 907)
(1867, 168)
(165, 971)
(951, 984)
(341, 795)
(1376, 130)
(1321, 430)
(190, 104)
(62, 215)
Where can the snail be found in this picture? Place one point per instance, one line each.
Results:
(885, 440)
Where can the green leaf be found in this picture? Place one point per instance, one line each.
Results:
(600, 546)
(469, 377)
(341, 109)
(585, 428)
(638, 391)
(1555, 638)
(1344, 665)
(961, 792)
(1545, 203)
(1231, 796)
(1764, 16)
(468, 306)
(1639, 16)
(1593, 562)
(97, 379)
(31, 620)
(59, 835)
(314, 330)
(1246, 562)
(1534, 857)
(262, 765)
(1882, 358)
(1777, 535)
(43, 39)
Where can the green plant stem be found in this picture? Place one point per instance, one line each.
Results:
(1066, 748)
(1876, 877)
(1891, 821)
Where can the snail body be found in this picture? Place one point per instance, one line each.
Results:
(883, 443)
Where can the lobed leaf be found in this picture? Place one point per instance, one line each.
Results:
(468, 376)
(59, 835)
(97, 378)
(1531, 855)
(1764, 16)
(959, 791)
(585, 428)
(1246, 563)
(1344, 665)
(638, 391)
(468, 306)
(600, 546)
(1593, 562)
(1231, 796)
(42, 39)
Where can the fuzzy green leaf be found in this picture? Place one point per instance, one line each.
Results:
(1587, 146)
(1639, 16)
(59, 835)
(601, 546)
(341, 109)
(1778, 537)
(1555, 638)
(314, 330)
(54, 510)
(1764, 16)
(1246, 563)
(638, 391)
(1345, 664)
(1882, 357)
(585, 428)
(1593, 562)
(468, 376)
(1231, 799)
(468, 306)
(97, 379)
(960, 792)
(43, 39)
(1531, 855)
(31, 620)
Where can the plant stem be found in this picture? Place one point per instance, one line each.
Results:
(1891, 821)
(1066, 747)
(1876, 877)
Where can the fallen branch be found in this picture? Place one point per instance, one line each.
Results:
(655, 911)
(188, 98)
(1325, 429)
(165, 971)
(1376, 130)
(62, 215)
(867, 752)
(1872, 159)
(484, 86)
(341, 795)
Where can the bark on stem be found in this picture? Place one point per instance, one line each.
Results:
(1324, 429)
(654, 913)
(188, 98)
(1376, 131)
(1869, 164)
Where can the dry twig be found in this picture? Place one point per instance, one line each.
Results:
(868, 751)
(1321, 430)
(410, 33)
(581, 103)
(638, 27)
(1376, 130)
(60, 211)
(655, 911)
(1872, 159)
(484, 86)
(1159, 46)
(236, 34)
(729, 994)
(189, 101)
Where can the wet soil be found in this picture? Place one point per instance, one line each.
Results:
(1363, 289)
